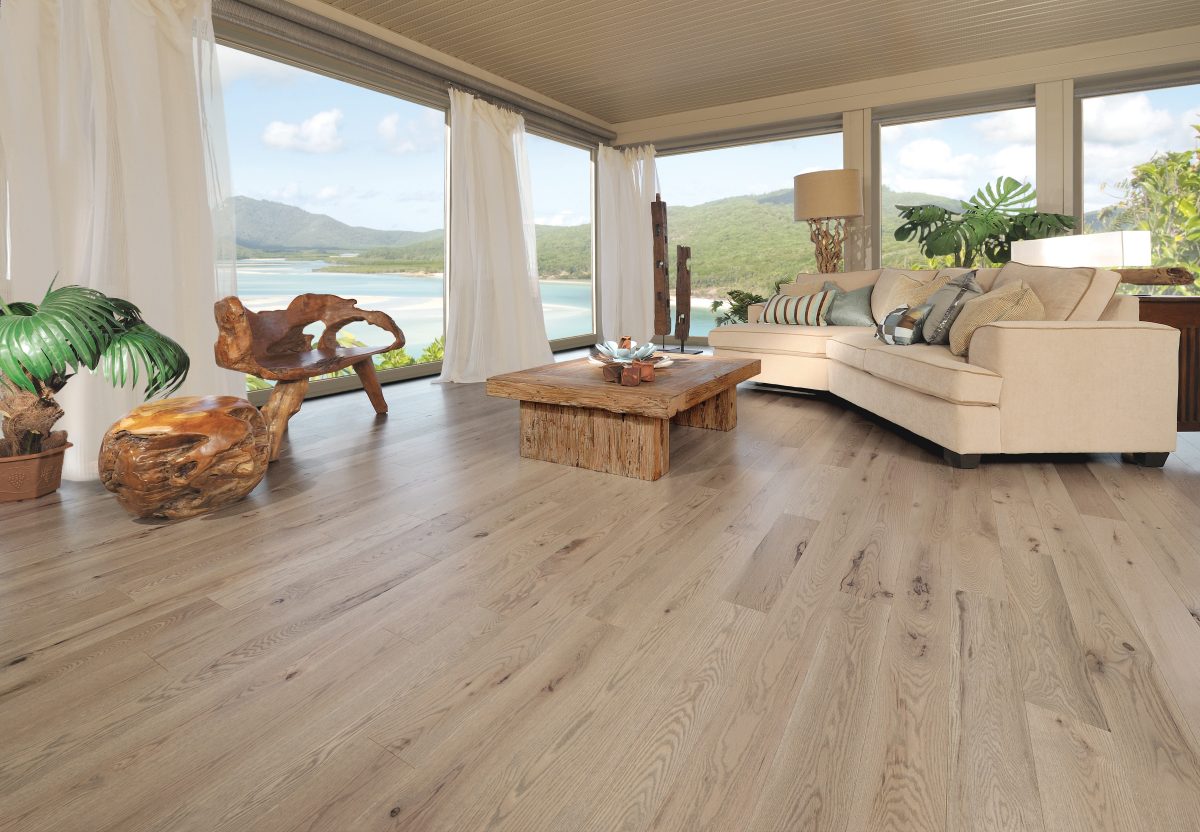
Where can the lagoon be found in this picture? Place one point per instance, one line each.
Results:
(415, 301)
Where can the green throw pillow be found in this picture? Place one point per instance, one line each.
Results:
(849, 308)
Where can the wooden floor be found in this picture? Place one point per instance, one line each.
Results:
(810, 624)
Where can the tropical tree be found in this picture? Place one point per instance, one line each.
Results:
(998, 214)
(1162, 196)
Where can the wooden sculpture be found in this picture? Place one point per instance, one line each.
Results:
(180, 457)
(273, 346)
(683, 295)
(662, 277)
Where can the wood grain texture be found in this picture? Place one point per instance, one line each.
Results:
(616, 443)
(807, 623)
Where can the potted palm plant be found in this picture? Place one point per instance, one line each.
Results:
(41, 347)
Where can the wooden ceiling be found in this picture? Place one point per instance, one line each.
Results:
(630, 59)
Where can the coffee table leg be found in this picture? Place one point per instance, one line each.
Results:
(615, 443)
(717, 413)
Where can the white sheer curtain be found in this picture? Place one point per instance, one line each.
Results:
(116, 170)
(626, 187)
(494, 322)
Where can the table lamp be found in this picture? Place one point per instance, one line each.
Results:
(826, 198)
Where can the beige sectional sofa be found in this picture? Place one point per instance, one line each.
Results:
(1091, 378)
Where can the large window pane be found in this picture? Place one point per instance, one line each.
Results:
(946, 160)
(733, 206)
(562, 208)
(1141, 170)
(339, 190)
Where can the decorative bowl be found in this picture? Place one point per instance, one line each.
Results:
(611, 351)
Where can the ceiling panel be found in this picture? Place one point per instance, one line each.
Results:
(630, 59)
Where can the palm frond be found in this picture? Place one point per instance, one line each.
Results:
(140, 347)
(69, 329)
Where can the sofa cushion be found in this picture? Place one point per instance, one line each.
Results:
(806, 284)
(798, 310)
(947, 302)
(786, 340)
(849, 308)
(925, 368)
(1078, 294)
(1011, 302)
(850, 348)
(897, 288)
(902, 327)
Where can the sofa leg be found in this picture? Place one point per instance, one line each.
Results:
(960, 460)
(1146, 460)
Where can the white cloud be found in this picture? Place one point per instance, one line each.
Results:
(1009, 126)
(1124, 119)
(236, 65)
(934, 156)
(318, 134)
(1016, 160)
(942, 186)
(416, 134)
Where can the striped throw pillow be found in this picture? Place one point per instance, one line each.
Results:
(798, 310)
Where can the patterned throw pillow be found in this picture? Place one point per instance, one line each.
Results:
(849, 308)
(947, 302)
(798, 310)
(1011, 302)
(902, 326)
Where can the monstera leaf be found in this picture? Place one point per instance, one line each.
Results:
(43, 344)
(989, 221)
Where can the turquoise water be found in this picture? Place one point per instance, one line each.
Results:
(414, 301)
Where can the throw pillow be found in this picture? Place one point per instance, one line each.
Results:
(1074, 294)
(947, 302)
(896, 288)
(1012, 302)
(849, 308)
(797, 310)
(902, 326)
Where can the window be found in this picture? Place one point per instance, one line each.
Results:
(1141, 170)
(561, 175)
(339, 189)
(946, 160)
(733, 206)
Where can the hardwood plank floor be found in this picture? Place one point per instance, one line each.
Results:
(811, 623)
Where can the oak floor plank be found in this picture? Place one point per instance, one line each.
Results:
(1080, 780)
(406, 626)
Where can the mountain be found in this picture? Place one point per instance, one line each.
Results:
(750, 242)
(275, 227)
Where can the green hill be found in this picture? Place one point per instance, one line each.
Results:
(268, 226)
(750, 242)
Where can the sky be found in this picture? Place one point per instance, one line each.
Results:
(371, 159)
(361, 156)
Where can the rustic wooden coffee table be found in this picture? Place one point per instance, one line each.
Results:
(571, 416)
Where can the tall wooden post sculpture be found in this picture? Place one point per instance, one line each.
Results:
(683, 297)
(662, 277)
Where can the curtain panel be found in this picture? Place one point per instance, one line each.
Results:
(116, 174)
(494, 312)
(626, 186)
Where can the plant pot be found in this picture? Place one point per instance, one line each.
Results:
(31, 476)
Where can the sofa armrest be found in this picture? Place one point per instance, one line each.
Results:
(754, 312)
(1083, 386)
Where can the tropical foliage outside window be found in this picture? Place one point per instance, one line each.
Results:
(733, 207)
(1141, 163)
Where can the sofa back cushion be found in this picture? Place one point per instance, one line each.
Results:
(1075, 294)
(905, 287)
(807, 284)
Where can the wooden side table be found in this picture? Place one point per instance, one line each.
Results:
(1183, 313)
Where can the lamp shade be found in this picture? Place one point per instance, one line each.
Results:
(1109, 250)
(828, 193)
